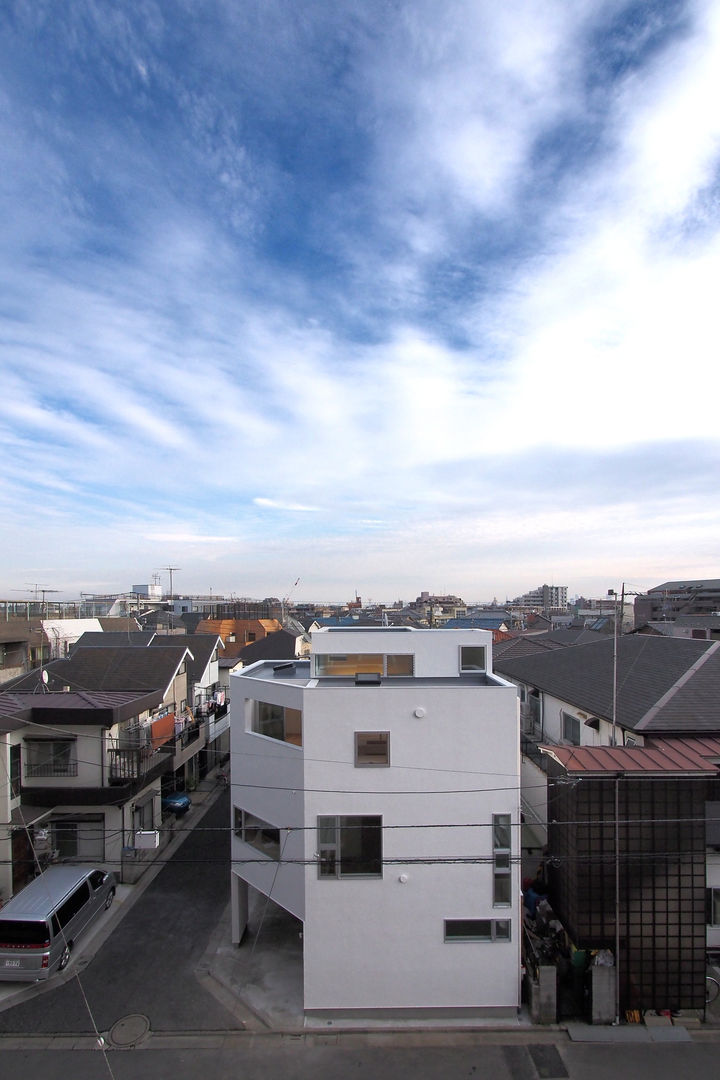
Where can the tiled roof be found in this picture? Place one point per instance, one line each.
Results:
(129, 667)
(201, 647)
(94, 639)
(97, 707)
(664, 684)
(278, 646)
(663, 758)
(523, 646)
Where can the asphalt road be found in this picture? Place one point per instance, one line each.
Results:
(292, 1061)
(148, 964)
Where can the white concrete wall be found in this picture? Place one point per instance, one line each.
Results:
(437, 652)
(267, 780)
(378, 943)
(456, 766)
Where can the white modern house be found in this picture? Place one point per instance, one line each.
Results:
(375, 791)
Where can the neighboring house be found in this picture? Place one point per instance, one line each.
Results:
(279, 646)
(63, 633)
(204, 697)
(674, 598)
(207, 697)
(22, 645)
(132, 757)
(375, 797)
(85, 774)
(700, 627)
(663, 696)
(237, 633)
(635, 818)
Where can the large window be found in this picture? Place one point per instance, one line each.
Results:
(50, 757)
(570, 729)
(350, 846)
(278, 722)
(259, 834)
(502, 880)
(372, 748)
(477, 930)
(472, 658)
(351, 664)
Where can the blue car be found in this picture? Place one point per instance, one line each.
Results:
(176, 802)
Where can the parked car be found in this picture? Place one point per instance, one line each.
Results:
(176, 802)
(40, 925)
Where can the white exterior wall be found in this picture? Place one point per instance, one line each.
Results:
(389, 933)
(436, 655)
(378, 943)
(62, 633)
(256, 761)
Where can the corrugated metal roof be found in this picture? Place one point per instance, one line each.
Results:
(639, 760)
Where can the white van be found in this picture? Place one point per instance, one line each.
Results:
(39, 926)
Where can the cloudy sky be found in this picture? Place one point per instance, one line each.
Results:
(393, 295)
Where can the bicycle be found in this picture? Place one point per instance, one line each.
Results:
(712, 989)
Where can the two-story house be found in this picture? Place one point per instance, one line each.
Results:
(375, 792)
(621, 742)
(91, 743)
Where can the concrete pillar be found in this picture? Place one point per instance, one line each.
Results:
(603, 995)
(239, 908)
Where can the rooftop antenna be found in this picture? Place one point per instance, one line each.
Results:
(171, 569)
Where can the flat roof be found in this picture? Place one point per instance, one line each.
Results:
(298, 673)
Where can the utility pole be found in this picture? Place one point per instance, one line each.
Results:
(171, 569)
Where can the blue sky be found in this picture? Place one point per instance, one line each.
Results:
(390, 296)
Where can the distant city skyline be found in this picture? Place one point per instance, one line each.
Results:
(412, 293)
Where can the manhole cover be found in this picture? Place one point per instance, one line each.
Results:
(130, 1030)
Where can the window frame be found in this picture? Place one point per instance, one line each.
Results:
(568, 719)
(279, 721)
(502, 860)
(371, 664)
(378, 737)
(49, 766)
(466, 668)
(330, 851)
(242, 827)
(494, 933)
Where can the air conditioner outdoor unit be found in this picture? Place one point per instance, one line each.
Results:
(146, 839)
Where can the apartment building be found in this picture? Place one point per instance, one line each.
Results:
(375, 791)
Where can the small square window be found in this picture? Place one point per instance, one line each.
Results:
(372, 748)
(472, 658)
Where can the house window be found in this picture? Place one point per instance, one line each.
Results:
(570, 729)
(50, 757)
(350, 846)
(712, 905)
(390, 665)
(502, 881)
(15, 771)
(277, 722)
(477, 930)
(259, 834)
(372, 748)
(472, 658)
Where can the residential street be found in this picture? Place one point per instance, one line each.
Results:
(147, 965)
(257, 1059)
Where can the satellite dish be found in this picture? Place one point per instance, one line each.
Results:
(45, 677)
